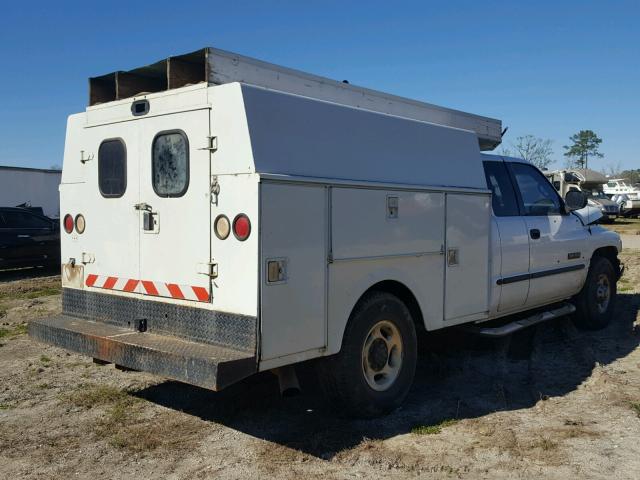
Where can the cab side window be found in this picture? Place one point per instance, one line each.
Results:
(504, 199)
(538, 196)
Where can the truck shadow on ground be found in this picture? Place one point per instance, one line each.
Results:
(458, 376)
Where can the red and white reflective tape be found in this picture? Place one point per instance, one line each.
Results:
(156, 289)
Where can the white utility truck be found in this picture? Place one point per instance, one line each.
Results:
(224, 216)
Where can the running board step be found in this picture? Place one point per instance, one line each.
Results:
(521, 323)
(200, 364)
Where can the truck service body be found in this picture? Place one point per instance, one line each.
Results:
(258, 217)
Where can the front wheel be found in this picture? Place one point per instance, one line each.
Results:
(595, 303)
(374, 370)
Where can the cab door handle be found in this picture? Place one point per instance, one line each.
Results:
(535, 233)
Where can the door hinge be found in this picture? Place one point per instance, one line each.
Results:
(84, 159)
(210, 269)
(88, 258)
(212, 144)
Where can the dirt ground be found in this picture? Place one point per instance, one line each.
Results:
(625, 226)
(550, 402)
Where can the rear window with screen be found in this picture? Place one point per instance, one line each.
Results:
(170, 168)
(112, 168)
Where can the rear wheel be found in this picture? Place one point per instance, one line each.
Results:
(374, 370)
(595, 303)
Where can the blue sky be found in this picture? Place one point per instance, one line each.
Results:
(546, 68)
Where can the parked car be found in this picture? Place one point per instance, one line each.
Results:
(28, 239)
(610, 209)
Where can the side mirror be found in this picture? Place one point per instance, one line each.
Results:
(575, 200)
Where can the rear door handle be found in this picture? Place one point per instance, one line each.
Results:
(535, 233)
(24, 236)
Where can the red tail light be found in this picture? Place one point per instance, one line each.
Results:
(241, 227)
(68, 223)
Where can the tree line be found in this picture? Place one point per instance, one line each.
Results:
(584, 147)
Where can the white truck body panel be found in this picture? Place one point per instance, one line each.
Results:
(294, 222)
(216, 67)
(511, 242)
(468, 221)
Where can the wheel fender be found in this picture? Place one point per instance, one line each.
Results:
(350, 283)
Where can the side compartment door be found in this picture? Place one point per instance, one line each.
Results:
(466, 257)
(557, 240)
(294, 225)
(513, 239)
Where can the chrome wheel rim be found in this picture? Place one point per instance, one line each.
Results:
(603, 293)
(382, 355)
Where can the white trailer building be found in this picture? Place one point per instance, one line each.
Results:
(32, 186)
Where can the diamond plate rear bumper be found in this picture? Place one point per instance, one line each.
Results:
(201, 325)
(204, 365)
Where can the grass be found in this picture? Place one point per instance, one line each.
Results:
(13, 332)
(546, 444)
(31, 294)
(433, 429)
(626, 226)
(122, 425)
(635, 406)
(90, 396)
(44, 359)
(5, 406)
(625, 285)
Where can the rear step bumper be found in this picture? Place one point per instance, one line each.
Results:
(521, 323)
(200, 364)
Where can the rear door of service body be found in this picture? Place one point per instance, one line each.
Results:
(105, 191)
(175, 206)
(148, 218)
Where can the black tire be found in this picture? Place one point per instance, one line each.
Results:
(590, 314)
(342, 376)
